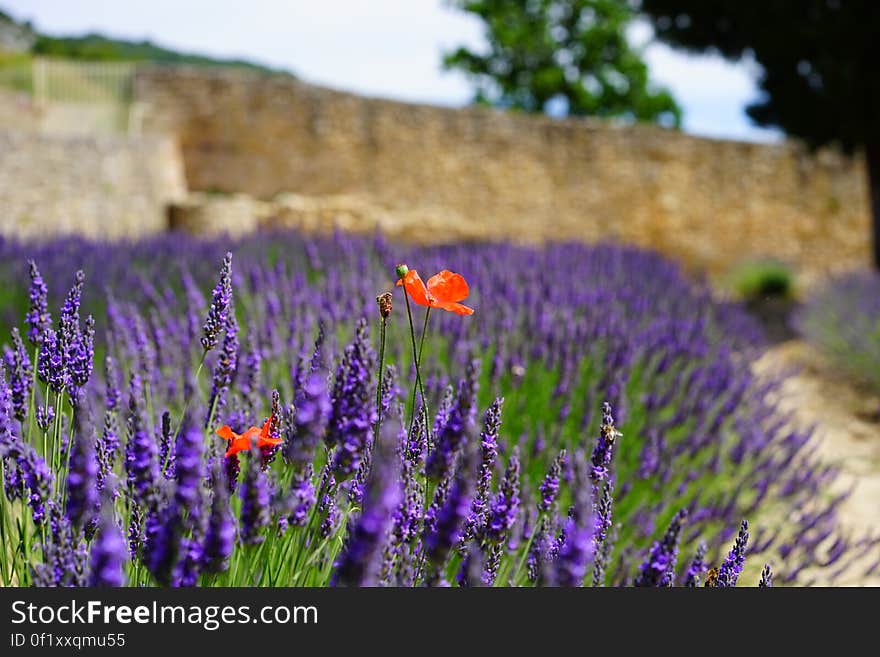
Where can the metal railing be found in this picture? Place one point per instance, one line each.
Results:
(74, 97)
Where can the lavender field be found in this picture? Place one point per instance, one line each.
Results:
(173, 415)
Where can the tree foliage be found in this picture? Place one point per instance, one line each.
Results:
(818, 59)
(573, 53)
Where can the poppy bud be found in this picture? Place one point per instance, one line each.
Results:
(385, 306)
(401, 270)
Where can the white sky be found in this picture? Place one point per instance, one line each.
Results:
(388, 48)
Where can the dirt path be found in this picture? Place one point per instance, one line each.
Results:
(847, 425)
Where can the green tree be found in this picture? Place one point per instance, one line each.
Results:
(573, 53)
(819, 60)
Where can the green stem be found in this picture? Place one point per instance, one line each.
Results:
(418, 366)
(525, 554)
(31, 409)
(56, 439)
(4, 570)
(66, 457)
(417, 355)
(381, 368)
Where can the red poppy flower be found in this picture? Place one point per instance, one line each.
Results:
(240, 442)
(444, 290)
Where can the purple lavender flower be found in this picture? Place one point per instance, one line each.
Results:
(45, 416)
(576, 547)
(488, 454)
(141, 451)
(13, 480)
(108, 553)
(276, 426)
(603, 539)
(447, 529)
(536, 559)
(658, 569)
(38, 318)
(81, 354)
(189, 567)
(353, 408)
(601, 458)
(51, 367)
(360, 562)
(163, 542)
(255, 498)
(188, 470)
(729, 571)
(503, 510)
(217, 319)
(550, 486)
(697, 567)
(65, 558)
(489, 447)
(492, 563)
(31, 471)
(68, 324)
(82, 489)
(167, 453)
(112, 394)
(471, 571)
(226, 366)
(231, 468)
(21, 380)
(766, 577)
(135, 531)
(452, 435)
(220, 536)
(306, 421)
(38, 478)
(330, 511)
(302, 496)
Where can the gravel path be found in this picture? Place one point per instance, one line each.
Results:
(848, 428)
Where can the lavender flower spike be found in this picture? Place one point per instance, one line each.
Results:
(218, 313)
(360, 563)
(108, 553)
(577, 549)
(550, 486)
(503, 510)
(38, 318)
(220, 537)
(255, 498)
(766, 577)
(729, 571)
(353, 407)
(21, 380)
(447, 529)
(697, 567)
(658, 569)
(82, 489)
(601, 458)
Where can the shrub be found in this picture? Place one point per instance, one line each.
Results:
(539, 488)
(843, 319)
(762, 278)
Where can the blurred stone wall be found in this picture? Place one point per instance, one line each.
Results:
(103, 187)
(439, 174)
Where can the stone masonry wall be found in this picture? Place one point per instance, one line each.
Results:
(484, 173)
(107, 187)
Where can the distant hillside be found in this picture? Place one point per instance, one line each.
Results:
(97, 47)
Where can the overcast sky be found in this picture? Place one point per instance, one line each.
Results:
(388, 48)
